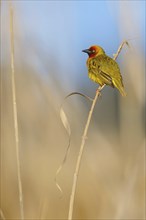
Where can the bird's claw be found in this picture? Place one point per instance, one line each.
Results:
(99, 93)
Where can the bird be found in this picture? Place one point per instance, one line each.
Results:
(102, 69)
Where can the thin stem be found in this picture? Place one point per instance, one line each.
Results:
(81, 153)
(120, 48)
(2, 215)
(84, 137)
(15, 115)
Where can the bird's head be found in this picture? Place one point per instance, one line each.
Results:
(94, 51)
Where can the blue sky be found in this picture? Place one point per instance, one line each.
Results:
(63, 28)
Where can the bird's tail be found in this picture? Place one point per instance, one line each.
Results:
(119, 85)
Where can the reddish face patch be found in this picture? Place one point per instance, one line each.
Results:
(93, 51)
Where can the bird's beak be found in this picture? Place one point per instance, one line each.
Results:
(87, 51)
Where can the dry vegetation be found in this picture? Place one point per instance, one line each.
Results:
(111, 182)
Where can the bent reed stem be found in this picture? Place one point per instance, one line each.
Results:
(84, 137)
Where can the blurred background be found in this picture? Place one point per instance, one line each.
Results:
(48, 39)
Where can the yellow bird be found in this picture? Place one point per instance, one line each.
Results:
(102, 69)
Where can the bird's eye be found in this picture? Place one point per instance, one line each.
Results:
(93, 51)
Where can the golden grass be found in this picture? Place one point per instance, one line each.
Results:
(111, 184)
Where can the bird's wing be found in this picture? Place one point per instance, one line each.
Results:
(108, 69)
(108, 66)
(106, 77)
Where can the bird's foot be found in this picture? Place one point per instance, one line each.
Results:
(98, 91)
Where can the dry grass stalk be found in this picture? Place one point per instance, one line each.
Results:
(2, 215)
(15, 114)
(84, 137)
